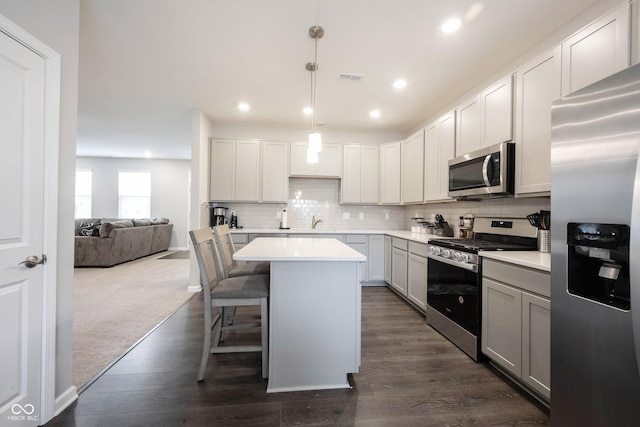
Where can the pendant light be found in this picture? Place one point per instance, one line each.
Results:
(315, 140)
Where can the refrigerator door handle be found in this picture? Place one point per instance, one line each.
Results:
(634, 262)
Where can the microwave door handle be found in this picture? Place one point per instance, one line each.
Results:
(485, 170)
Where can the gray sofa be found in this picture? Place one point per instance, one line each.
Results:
(107, 242)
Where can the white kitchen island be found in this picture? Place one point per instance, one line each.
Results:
(314, 311)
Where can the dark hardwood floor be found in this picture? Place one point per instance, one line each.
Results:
(410, 376)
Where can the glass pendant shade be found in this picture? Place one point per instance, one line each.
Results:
(312, 156)
(315, 141)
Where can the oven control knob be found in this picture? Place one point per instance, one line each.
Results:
(434, 250)
(464, 257)
(456, 256)
(446, 253)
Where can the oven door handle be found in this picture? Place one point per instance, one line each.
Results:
(470, 267)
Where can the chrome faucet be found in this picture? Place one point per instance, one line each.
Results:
(315, 222)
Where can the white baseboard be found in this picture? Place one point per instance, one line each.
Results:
(177, 248)
(65, 399)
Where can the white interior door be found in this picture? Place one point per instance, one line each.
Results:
(22, 89)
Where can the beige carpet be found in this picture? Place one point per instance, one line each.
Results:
(115, 307)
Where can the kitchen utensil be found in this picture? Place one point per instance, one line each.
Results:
(444, 226)
(545, 220)
(534, 219)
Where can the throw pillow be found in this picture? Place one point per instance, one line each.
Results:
(141, 222)
(89, 229)
(159, 220)
(107, 227)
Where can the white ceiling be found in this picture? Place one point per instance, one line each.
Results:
(145, 64)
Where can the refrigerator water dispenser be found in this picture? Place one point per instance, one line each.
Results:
(598, 263)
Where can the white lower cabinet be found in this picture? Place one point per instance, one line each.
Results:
(387, 259)
(417, 275)
(360, 243)
(516, 323)
(375, 258)
(399, 264)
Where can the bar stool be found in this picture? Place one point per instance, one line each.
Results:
(223, 292)
(230, 267)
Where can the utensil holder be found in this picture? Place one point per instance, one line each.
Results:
(544, 241)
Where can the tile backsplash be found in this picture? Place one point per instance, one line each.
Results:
(320, 198)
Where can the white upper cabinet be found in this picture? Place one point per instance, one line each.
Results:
(390, 172)
(370, 184)
(537, 85)
(496, 113)
(486, 119)
(360, 174)
(222, 166)
(351, 183)
(329, 161)
(597, 51)
(439, 147)
(275, 171)
(234, 170)
(413, 168)
(468, 126)
(247, 171)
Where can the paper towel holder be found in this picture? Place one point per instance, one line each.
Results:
(283, 221)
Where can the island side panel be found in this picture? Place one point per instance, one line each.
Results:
(314, 333)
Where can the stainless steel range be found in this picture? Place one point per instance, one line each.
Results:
(454, 277)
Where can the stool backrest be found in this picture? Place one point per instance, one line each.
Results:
(208, 258)
(226, 248)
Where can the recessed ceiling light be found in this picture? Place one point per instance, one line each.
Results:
(451, 26)
(374, 114)
(147, 153)
(400, 84)
(307, 111)
(243, 106)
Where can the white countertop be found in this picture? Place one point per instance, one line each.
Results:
(531, 259)
(297, 249)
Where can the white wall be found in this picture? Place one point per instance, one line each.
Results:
(201, 130)
(57, 23)
(169, 189)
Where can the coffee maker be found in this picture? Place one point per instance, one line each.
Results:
(217, 216)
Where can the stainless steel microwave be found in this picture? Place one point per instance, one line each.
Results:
(488, 172)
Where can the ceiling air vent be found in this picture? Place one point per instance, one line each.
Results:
(350, 77)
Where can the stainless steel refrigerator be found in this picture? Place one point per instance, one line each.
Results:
(595, 254)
